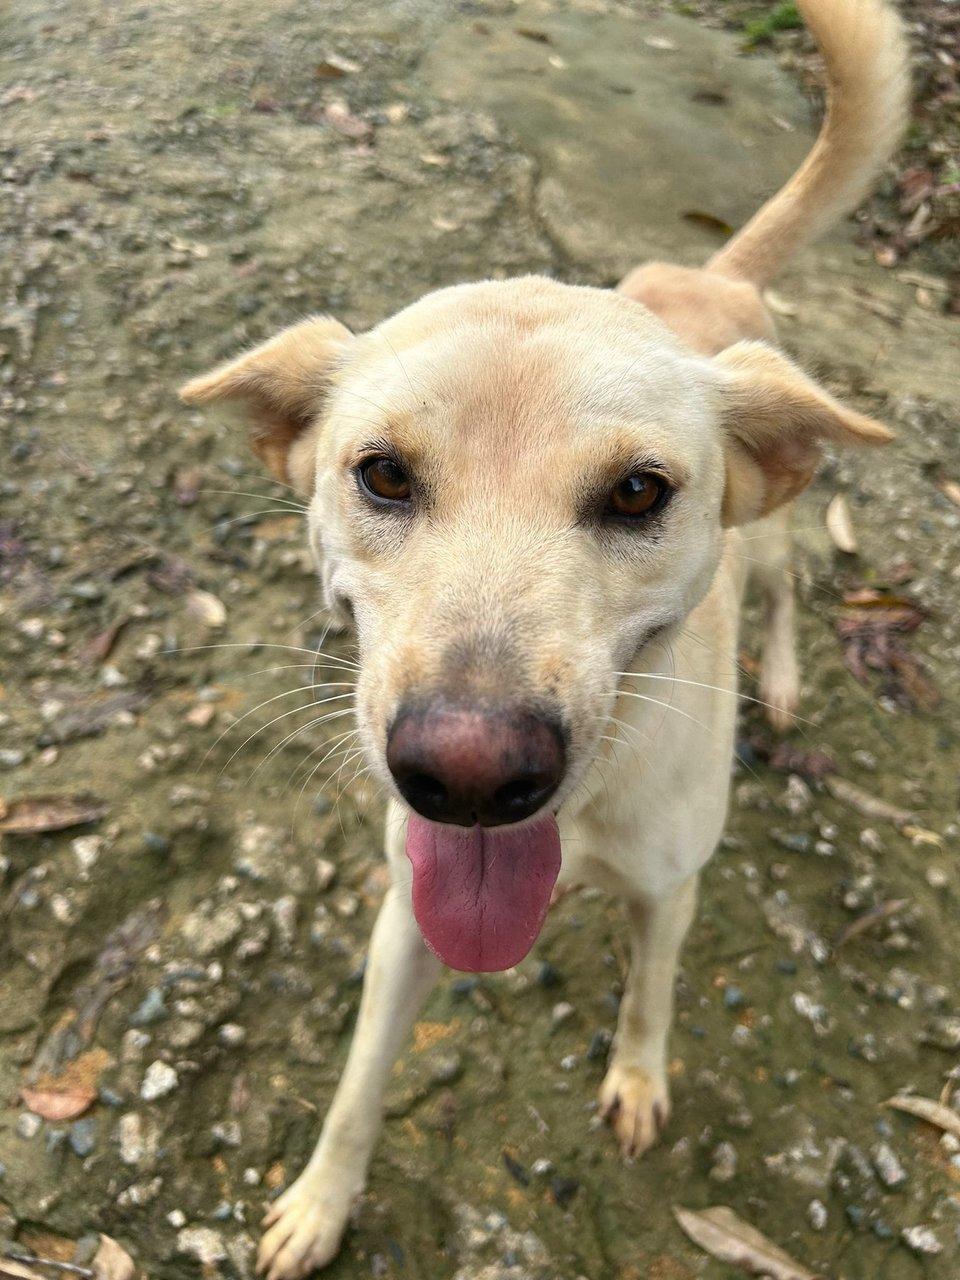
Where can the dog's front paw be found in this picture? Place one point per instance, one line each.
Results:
(304, 1229)
(636, 1105)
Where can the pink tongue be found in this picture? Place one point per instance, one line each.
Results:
(480, 894)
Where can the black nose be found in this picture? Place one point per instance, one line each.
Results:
(470, 764)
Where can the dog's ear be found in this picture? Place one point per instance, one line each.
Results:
(284, 383)
(774, 420)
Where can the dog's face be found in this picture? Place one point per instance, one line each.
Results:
(512, 488)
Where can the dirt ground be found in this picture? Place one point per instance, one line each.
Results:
(182, 936)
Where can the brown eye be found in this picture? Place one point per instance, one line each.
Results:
(638, 495)
(383, 479)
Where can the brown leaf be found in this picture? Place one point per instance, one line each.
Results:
(708, 221)
(876, 915)
(529, 33)
(812, 765)
(926, 1109)
(99, 647)
(67, 1093)
(35, 814)
(338, 117)
(724, 1235)
(112, 1262)
(865, 803)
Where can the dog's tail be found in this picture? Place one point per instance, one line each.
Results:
(868, 83)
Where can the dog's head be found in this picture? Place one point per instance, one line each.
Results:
(513, 487)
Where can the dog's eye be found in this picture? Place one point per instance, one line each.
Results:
(384, 479)
(640, 494)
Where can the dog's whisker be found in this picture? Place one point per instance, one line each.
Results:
(287, 693)
(698, 684)
(668, 706)
(290, 737)
(300, 507)
(283, 741)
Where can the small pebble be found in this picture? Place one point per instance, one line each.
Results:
(28, 1125)
(542, 1167)
(150, 1009)
(887, 1165)
(132, 1143)
(159, 1080)
(83, 1136)
(724, 1162)
(817, 1214)
(232, 1035)
(204, 1245)
(11, 758)
(560, 1014)
(177, 1219)
(921, 1240)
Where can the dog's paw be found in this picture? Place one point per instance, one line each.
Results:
(636, 1105)
(304, 1229)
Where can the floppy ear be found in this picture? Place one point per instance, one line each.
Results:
(285, 383)
(774, 419)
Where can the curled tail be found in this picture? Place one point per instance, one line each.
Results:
(868, 84)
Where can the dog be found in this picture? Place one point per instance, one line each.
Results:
(527, 497)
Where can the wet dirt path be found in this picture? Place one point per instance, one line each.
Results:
(179, 180)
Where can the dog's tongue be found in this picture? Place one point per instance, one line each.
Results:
(480, 894)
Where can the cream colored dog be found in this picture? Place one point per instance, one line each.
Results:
(525, 494)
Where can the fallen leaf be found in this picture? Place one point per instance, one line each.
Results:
(67, 1093)
(338, 117)
(10, 1269)
(863, 802)
(333, 68)
(529, 33)
(724, 1235)
(35, 814)
(112, 1262)
(876, 915)
(207, 608)
(708, 221)
(99, 647)
(779, 305)
(926, 1109)
(840, 525)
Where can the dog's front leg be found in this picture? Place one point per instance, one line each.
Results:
(635, 1094)
(306, 1224)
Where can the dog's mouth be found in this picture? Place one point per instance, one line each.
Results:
(481, 894)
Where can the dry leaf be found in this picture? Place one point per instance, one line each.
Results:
(926, 1109)
(36, 814)
(840, 525)
(863, 802)
(779, 305)
(869, 918)
(11, 1270)
(112, 1262)
(530, 33)
(207, 608)
(67, 1093)
(338, 116)
(708, 221)
(724, 1235)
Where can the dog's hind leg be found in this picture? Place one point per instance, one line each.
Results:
(635, 1094)
(306, 1224)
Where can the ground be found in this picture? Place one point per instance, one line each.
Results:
(181, 970)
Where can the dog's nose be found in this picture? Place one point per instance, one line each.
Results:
(467, 764)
